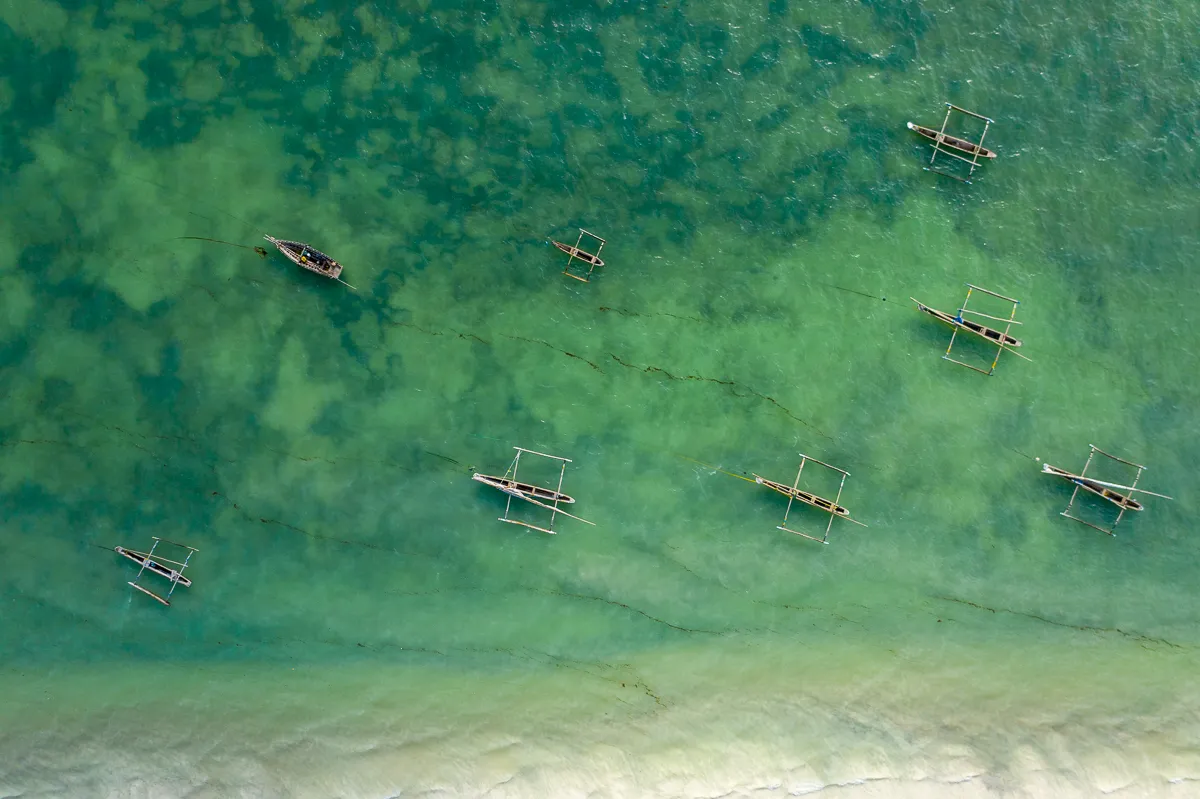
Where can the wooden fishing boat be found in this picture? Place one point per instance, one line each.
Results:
(305, 256)
(803, 496)
(795, 493)
(548, 498)
(575, 252)
(961, 323)
(144, 560)
(955, 147)
(149, 562)
(522, 490)
(1088, 484)
(962, 145)
(1115, 493)
(999, 338)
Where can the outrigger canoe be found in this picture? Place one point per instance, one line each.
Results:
(1120, 500)
(149, 564)
(952, 141)
(523, 490)
(301, 254)
(995, 336)
(582, 255)
(803, 496)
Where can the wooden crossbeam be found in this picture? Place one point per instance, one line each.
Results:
(970, 113)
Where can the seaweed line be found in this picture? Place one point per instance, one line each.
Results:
(1080, 627)
(733, 386)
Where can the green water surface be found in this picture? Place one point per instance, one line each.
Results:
(767, 219)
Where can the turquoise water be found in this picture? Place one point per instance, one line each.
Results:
(360, 625)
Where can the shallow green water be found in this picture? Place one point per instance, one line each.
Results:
(360, 625)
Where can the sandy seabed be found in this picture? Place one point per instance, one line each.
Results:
(787, 722)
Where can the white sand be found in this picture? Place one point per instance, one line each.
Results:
(732, 724)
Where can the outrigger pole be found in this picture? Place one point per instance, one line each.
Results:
(1119, 486)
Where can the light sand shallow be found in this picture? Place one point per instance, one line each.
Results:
(921, 726)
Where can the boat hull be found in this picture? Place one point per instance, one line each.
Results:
(1120, 500)
(803, 496)
(962, 145)
(523, 490)
(983, 331)
(586, 257)
(306, 257)
(151, 565)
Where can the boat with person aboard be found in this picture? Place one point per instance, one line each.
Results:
(309, 258)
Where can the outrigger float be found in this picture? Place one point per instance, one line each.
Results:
(548, 498)
(313, 260)
(796, 494)
(577, 253)
(1102, 489)
(1001, 339)
(946, 145)
(156, 564)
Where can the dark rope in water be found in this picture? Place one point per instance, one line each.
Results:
(262, 252)
(853, 291)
